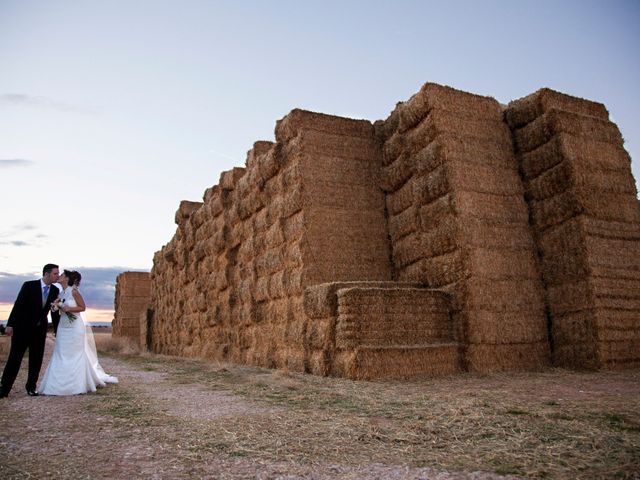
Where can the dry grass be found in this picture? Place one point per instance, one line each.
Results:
(556, 424)
(105, 342)
(183, 418)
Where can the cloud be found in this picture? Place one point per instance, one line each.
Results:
(22, 100)
(98, 284)
(16, 243)
(19, 228)
(15, 162)
(16, 234)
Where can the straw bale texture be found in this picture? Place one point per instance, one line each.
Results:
(585, 217)
(583, 152)
(455, 235)
(508, 357)
(553, 122)
(431, 96)
(297, 119)
(185, 211)
(132, 300)
(526, 110)
(383, 363)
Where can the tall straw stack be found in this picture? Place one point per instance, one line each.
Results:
(458, 221)
(404, 248)
(586, 220)
(131, 302)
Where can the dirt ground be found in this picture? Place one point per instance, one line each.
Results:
(182, 418)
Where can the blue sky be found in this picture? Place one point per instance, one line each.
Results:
(112, 112)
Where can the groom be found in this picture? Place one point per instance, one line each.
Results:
(27, 327)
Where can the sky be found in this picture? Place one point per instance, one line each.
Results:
(112, 112)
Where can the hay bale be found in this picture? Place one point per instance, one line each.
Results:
(259, 149)
(441, 210)
(400, 200)
(432, 96)
(310, 145)
(511, 295)
(605, 206)
(403, 224)
(293, 227)
(185, 210)
(612, 229)
(319, 363)
(509, 357)
(407, 250)
(269, 262)
(502, 263)
(442, 122)
(566, 174)
(393, 176)
(399, 362)
(554, 122)
(428, 188)
(491, 208)
(570, 297)
(489, 327)
(442, 270)
(229, 178)
(583, 152)
(525, 110)
(321, 300)
(480, 233)
(622, 354)
(289, 126)
(393, 148)
(358, 238)
(278, 285)
(320, 335)
(451, 147)
(555, 210)
(440, 240)
(340, 195)
(274, 235)
(361, 171)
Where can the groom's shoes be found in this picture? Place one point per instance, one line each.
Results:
(3, 394)
(33, 393)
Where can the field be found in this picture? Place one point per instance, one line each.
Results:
(183, 418)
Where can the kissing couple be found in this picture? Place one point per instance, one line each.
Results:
(73, 368)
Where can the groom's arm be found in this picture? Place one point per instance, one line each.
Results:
(18, 307)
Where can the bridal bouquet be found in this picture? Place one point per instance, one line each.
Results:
(58, 304)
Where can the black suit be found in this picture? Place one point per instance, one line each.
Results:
(28, 318)
(55, 320)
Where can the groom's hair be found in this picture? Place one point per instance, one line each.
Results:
(48, 267)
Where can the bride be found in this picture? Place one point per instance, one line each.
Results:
(74, 366)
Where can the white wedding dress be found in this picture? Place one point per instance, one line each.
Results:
(74, 367)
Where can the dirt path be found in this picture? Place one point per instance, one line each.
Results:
(177, 418)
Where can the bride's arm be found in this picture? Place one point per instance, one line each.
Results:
(79, 300)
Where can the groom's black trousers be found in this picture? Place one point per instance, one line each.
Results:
(33, 340)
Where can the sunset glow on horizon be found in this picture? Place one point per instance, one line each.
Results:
(92, 314)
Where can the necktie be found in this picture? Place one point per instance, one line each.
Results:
(45, 294)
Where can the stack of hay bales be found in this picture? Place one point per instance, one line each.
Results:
(381, 330)
(132, 299)
(307, 209)
(458, 221)
(316, 255)
(341, 224)
(586, 219)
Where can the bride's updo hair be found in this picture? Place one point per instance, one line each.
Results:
(73, 277)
